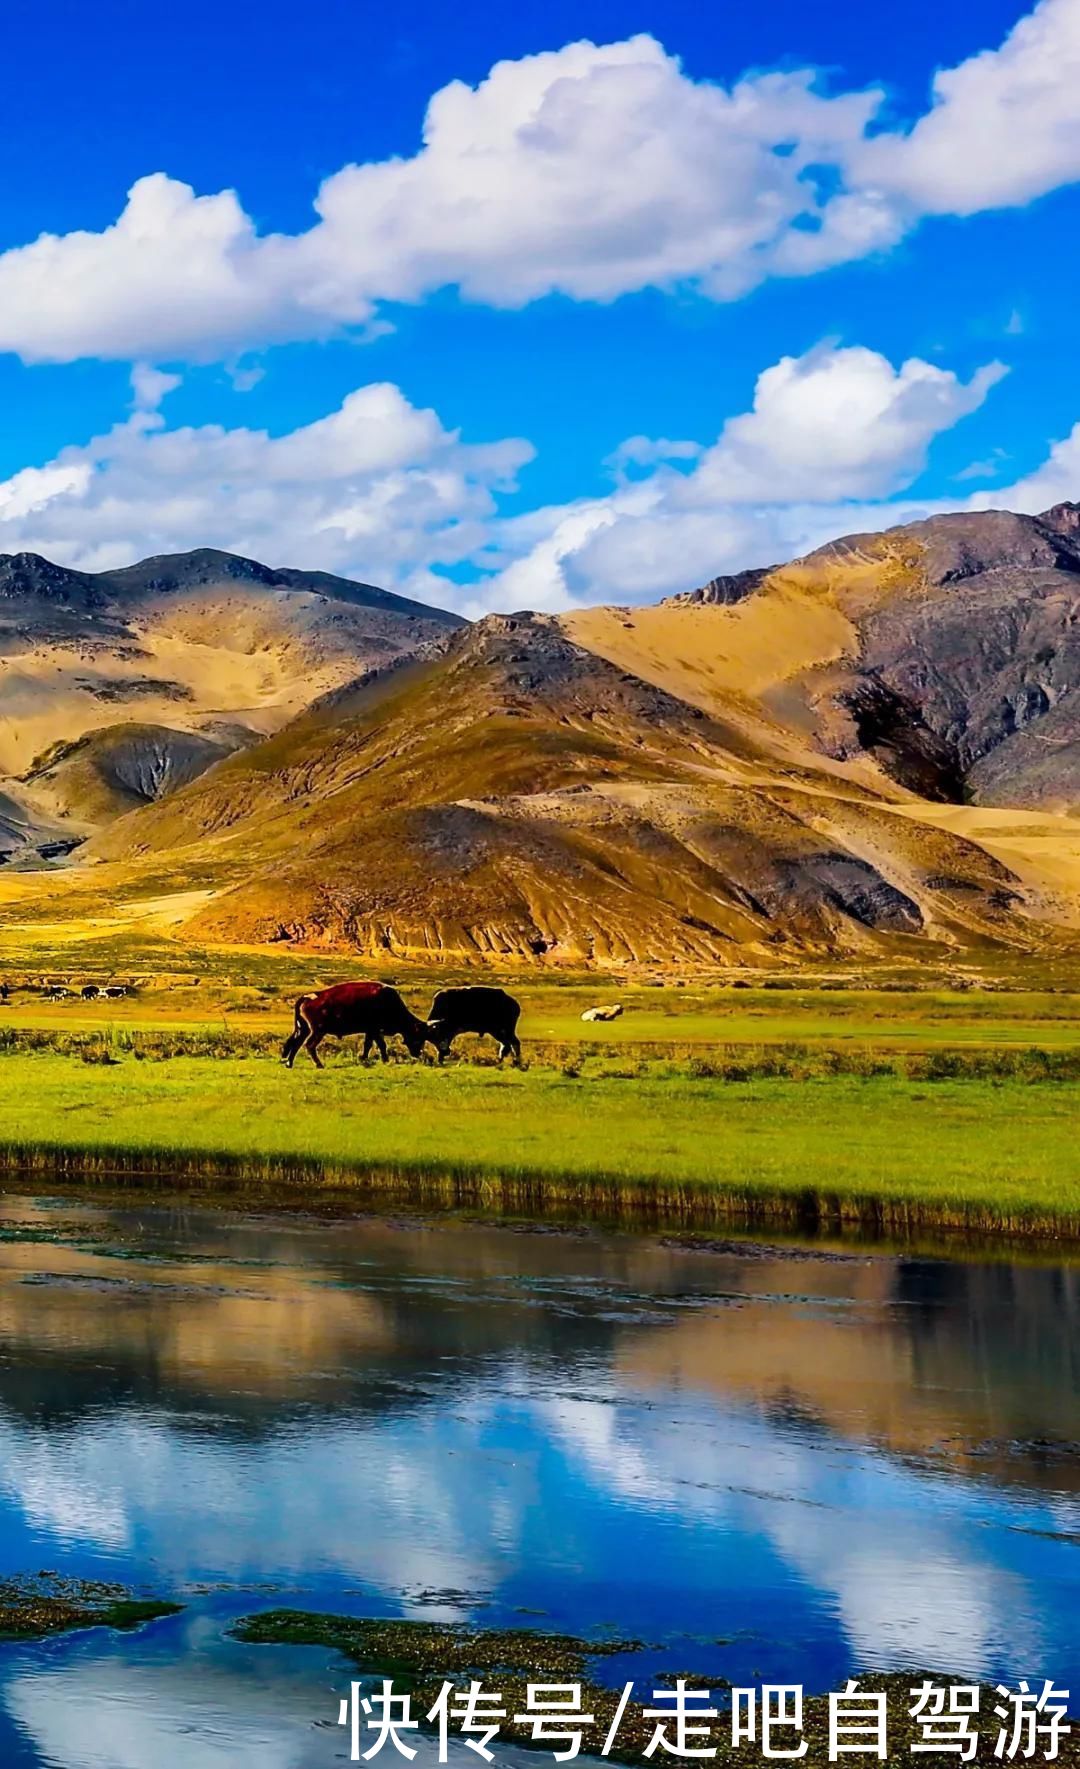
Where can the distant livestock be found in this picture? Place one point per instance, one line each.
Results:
(347, 1008)
(490, 1012)
(602, 1013)
(55, 992)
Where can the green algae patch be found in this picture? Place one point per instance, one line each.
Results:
(421, 1656)
(34, 1608)
(421, 1649)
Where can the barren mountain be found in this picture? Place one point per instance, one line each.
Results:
(200, 646)
(521, 796)
(868, 751)
(116, 769)
(953, 655)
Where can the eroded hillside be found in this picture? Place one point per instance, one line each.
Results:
(203, 648)
(948, 650)
(522, 796)
(868, 752)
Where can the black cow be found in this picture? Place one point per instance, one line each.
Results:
(490, 1012)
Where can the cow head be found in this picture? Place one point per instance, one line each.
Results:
(440, 1034)
(415, 1037)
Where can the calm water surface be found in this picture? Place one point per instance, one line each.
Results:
(766, 1463)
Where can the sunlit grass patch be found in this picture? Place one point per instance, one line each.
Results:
(981, 1153)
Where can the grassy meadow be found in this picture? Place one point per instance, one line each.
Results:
(975, 1138)
(891, 1100)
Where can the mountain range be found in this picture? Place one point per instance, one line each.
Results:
(873, 750)
(116, 687)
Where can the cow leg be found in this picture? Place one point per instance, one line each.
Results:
(380, 1045)
(366, 1052)
(294, 1043)
(312, 1048)
(515, 1045)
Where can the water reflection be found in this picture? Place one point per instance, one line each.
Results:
(821, 1461)
(184, 1702)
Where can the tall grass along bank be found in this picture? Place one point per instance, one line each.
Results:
(883, 1151)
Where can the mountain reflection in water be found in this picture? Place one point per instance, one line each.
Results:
(764, 1462)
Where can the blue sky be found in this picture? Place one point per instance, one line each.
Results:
(428, 386)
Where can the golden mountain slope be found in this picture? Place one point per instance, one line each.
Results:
(523, 797)
(114, 769)
(202, 644)
(868, 752)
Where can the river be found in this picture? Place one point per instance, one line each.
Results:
(768, 1463)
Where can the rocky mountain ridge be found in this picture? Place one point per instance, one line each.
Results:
(205, 650)
(872, 750)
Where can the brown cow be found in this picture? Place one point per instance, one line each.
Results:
(374, 1009)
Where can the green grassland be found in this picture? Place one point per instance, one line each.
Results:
(255, 993)
(978, 1147)
(892, 1099)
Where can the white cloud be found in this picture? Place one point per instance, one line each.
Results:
(378, 489)
(383, 490)
(836, 423)
(35, 488)
(244, 376)
(176, 275)
(1057, 481)
(588, 170)
(149, 386)
(986, 469)
(827, 431)
(1004, 126)
(647, 451)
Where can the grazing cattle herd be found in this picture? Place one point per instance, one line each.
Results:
(374, 1011)
(65, 992)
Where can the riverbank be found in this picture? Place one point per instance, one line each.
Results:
(983, 1155)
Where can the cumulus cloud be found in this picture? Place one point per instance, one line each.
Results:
(1004, 126)
(176, 275)
(34, 488)
(377, 489)
(836, 423)
(829, 433)
(382, 490)
(587, 170)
